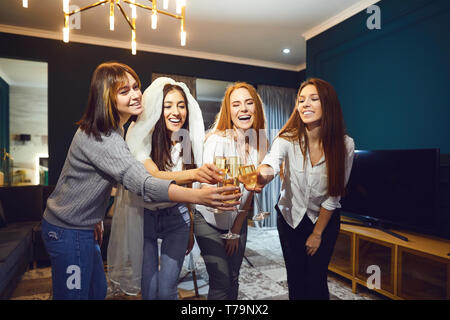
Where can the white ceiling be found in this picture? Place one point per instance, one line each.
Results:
(243, 31)
(24, 73)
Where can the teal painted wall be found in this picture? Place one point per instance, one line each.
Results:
(393, 83)
(4, 116)
(4, 129)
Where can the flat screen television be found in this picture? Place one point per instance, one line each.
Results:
(396, 189)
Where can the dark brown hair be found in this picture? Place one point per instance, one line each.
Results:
(162, 138)
(101, 115)
(331, 134)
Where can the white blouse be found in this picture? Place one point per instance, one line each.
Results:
(214, 145)
(304, 188)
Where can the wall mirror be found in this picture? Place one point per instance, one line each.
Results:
(24, 122)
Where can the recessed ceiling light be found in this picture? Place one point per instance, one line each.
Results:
(286, 51)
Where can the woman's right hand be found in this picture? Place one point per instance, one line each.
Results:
(208, 173)
(214, 197)
(264, 174)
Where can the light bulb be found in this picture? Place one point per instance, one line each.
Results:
(66, 6)
(183, 38)
(166, 4)
(154, 20)
(25, 3)
(66, 35)
(133, 10)
(111, 16)
(133, 42)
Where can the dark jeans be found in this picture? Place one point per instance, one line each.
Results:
(77, 266)
(223, 270)
(307, 275)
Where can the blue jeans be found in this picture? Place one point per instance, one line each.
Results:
(160, 280)
(77, 265)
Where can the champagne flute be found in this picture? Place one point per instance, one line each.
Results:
(249, 177)
(220, 162)
(232, 179)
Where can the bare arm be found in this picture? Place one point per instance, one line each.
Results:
(314, 240)
(210, 197)
(265, 174)
(208, 173)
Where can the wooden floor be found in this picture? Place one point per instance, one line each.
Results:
(36, 284)
(262, 276)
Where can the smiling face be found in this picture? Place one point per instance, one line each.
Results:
(309, 106)
(129, 99)
(175, 110)
(242, 109)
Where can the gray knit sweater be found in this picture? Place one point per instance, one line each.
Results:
(91, 169)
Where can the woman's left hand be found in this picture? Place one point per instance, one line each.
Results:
(231, 246)
(98, 233)
(313, 243)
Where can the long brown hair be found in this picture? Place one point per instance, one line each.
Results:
(331, 134)
(101, 115)
(162, 138)
(223, 120)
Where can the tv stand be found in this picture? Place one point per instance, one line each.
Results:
(414, 269)
(376, 226)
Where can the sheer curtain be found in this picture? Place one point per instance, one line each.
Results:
(278, 105)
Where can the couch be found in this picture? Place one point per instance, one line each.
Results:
(22, 209)
(21, 244)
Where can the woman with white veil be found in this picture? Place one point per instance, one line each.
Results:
(168, 138)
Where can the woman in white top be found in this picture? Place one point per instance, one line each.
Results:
(167, 138)
(241, 115)
(318, 157)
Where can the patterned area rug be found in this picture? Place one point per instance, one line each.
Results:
(262, 276)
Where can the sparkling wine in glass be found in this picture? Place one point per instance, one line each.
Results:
(249, 177)
(232, 175)
(232, 179)
(220, 163)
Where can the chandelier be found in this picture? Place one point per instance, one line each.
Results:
(180, 10)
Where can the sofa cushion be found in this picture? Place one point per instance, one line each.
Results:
(2, 216)
(15, 250)
(13, 237)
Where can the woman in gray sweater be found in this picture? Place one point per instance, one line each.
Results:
(97, 159)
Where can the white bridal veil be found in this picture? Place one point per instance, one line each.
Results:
(126, 243)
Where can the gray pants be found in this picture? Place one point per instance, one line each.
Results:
(223, 270)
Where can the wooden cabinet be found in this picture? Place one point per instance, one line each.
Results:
(414, 269)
